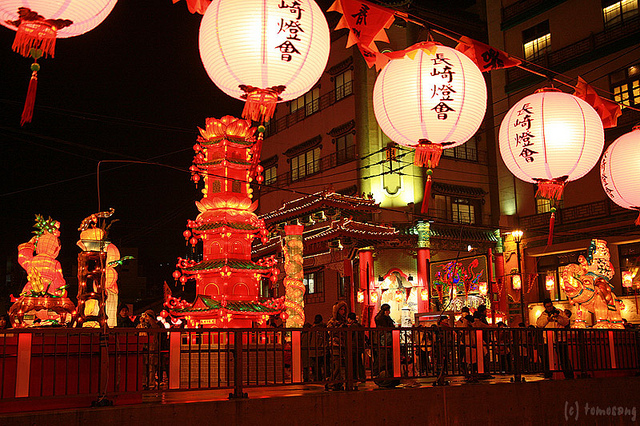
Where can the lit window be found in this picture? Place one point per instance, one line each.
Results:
(536, 41)
(313, 282)
(618, 12)
(270, 175)
(467, 151)
(310, 101)
(345, 148)
(462, 211)
(625, 86)
(344, 84)
(305, 164)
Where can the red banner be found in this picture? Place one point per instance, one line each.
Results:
(609, 111)
(366, 23)
(486, 57)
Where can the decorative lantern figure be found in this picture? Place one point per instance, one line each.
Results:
(516, 282)
(432, 98)
(551, 138)
(627, 278)
(264, 51)
(550, 283)
(360, 296)
(38, 23)
(374, 297)
(619, 171)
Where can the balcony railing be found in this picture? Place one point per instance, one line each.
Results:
(525, 9)
(560, 59)
(576, 214)
(317, 105)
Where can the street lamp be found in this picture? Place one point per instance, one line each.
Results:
(517, 237)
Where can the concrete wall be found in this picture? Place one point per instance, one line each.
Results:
(538, 403)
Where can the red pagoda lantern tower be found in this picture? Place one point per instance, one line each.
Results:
(227, 280)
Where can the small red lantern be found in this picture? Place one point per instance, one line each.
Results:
(176, 274)
(183, 279)
(193, 241)
(186, 234)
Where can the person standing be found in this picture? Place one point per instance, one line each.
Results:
(384, 351)
(317, 349)
(555, 318)
(337, 340)
(151, 349)
(358, 344)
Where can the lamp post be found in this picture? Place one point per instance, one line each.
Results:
(517, 237)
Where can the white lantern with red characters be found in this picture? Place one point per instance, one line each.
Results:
(550, 138)
(431, 98)
(619, 171)
(264, 51)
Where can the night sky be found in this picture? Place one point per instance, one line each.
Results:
(134, 88)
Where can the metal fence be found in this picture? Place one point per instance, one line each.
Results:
(37, 363)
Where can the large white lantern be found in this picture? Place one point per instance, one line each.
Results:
(434, 97)
(264, 51)
(619, 171)
(551, 138)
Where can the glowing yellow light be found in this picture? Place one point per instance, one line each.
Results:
(516, 282)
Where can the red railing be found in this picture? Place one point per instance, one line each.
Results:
(46, 363)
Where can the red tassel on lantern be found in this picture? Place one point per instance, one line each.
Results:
(427, 193)
(551, 189)
(427, 154)
(260, 104)
(637, 222)
(552, 222)
(29, 103)
(35, 35)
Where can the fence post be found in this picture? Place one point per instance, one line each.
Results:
(612, 349)
(24, 364)
(238, 377)
(550, 351)
(349, 358)
(174, 359)
(480, 351)
(396, 354)
(516, 355)
(296, 357)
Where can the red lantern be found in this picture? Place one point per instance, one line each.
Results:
(186, 234)
(176, 274)
(193, 241)
(183, 279)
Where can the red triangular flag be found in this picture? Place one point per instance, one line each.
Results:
(196, 6)
(366, 21)
(609, 111)
(486, 57)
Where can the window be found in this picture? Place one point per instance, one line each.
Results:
(629, 255)
(313, 283)
(552, 267)
(536, 41)
(543, 205)
(625, 86)
(345, 148)
(236, 186)
(344, 84)
(456, 209)
(467, 151)
(216, 186)
(618, 12)
(305, 164)
(343, 285)
(310, 101)
(270, 175)
(462, 211)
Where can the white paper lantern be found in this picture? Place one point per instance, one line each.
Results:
(619, 171)
(551, 138)
(264, 51)
(433, 95)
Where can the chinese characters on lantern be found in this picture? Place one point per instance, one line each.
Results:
(292, 27)
(523, 139)
(445, 91)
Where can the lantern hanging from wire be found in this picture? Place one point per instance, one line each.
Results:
(264, 51)
(550, 283)
(550, 138)
(619, 171)
(433, 97)
(39, 23)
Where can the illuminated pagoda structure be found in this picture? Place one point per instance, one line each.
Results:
(227, 280)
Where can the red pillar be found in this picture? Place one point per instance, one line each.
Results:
(502, 303)
(348, 272)
(424, 257)
(366, 276)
